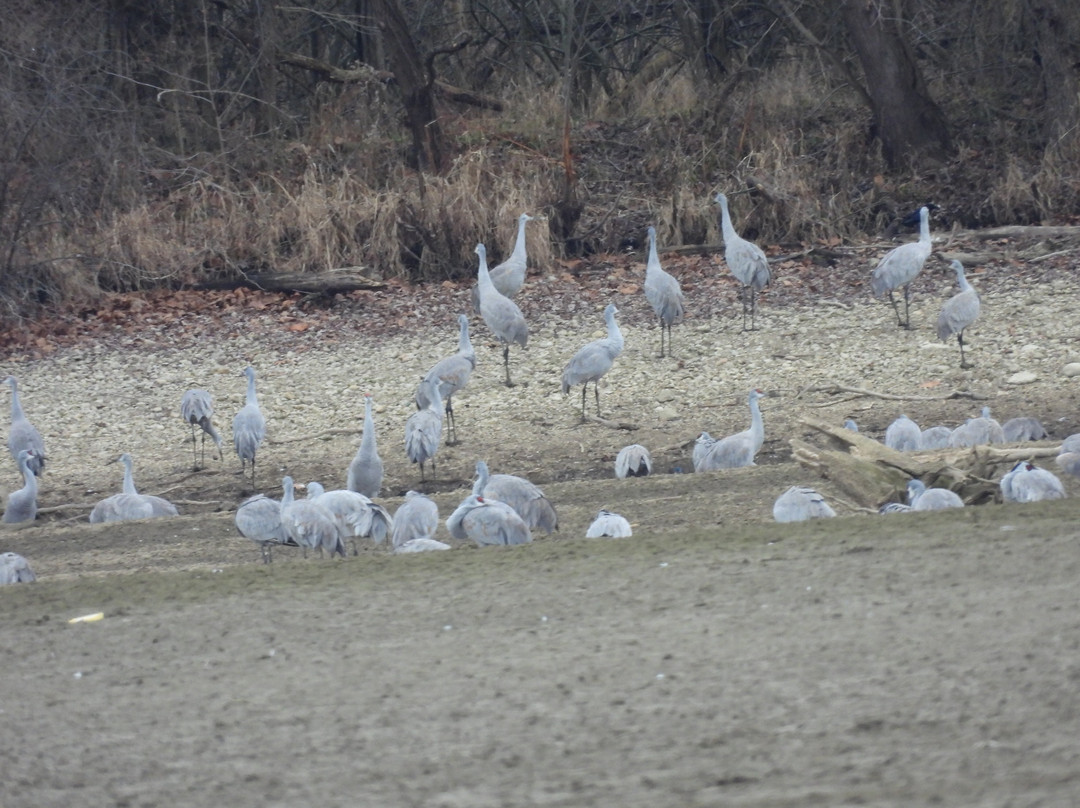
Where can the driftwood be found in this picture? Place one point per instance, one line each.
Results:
(871, 473)
(838, 389)
(331, 281)
(625, 425)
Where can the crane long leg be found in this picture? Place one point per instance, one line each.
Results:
(963, 362)
(596, 391)
(907, 313)
(194, 456)
(896, 309)
(506, 364)
(661, 337)
(584, 387)
(753, 312)
(451, 426)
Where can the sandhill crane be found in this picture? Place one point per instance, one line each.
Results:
(1069, 455)
(356, 515)
(451, 374)
(14, 569)
(421, 545)
(799, 503)
(1022, 428)
(487, 522)
(633, 461)
(1029, 483)
(509, 276)
(746, 261)
(259, 518)
(500, 313)
(900, 266)
(895, 507)
(423, 430)
(921, 498)
(22, 503)
(739, 449)
(416, 518)
(702, 446)
(23, 434)
(959, 312)
(249, 427)
(130, 504)
(903, 435)
(977, 431)
(197, 408)
(527, 500)
(366, 469)
(593, 360)
(608, 525)
(850, 425)
(935, 437)
(308, 523)
(663, 292)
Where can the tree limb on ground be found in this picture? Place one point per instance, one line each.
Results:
(837, 389)
(331, 281)
(629, 427)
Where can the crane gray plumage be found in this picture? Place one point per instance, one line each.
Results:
(14, 569)
(197, 408)
(249, 426)
(366, 469)
(594, 360)
(129, 503)
(23, 434)
(527, 500)
(1069, 455)
(663, 292)
(895, 507)
(850, 425)
(416, 518)
(702, 446)
(609, 525)
(423, 430)
(959, 311)
(309, 524)
(356, 515)
(900, 266)
(739, 449)
(22, 503)
(500, 313)
(487, 522)
(259, 518)
(921, 498)
(509, 276)
(800, 503)
(746, 261)
(633, 461)
(1023, 428)
(451, 374)
(1029, 483)
(977, 432)
(935, 437)
(903, 435)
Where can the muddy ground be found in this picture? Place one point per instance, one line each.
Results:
(715, 658)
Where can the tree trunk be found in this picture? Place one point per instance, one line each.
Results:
(1057, 48)
(907, 121)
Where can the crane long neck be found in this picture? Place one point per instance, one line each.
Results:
(483, 277)
(16, 407)
(961, 278)
(129, 478)
(924, 228)
(28, 476)
(464, 344)
(725, 223)
(614, 335)
(287, 496)
(481, 479)
(367, 441)
(654, 258)
(251, 397)
(519, 245)
(757, 425)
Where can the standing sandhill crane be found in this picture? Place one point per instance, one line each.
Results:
(739, 449)
(1022, 428)
(903, 435)
(977, 431)
(366, 469)
(259, 518)
(527, 500)
(22, 504)
(935, 437)
(959, 312)
(357, 516)
(416, 518)
(249, 427)
(130, 504)
(14, 569)
(900, 266)
(308, 523)
(23, 434)
(500, 313)
(592, 361)
(423, 430)
(509, 276)
(921, 498)
(608, 525)
(451, 374)
(663, 293)
(746, 261)
(487, 522)
(633, 461)
(800, 503)
(1069, 455)
(1029, 483)
(197, 408)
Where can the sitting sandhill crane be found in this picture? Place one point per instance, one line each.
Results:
(451, 374)
(366, 469)
(977, 431)
(308, 524)
(608, 525)
(130, 504)
(935, 437)
(23, 434)
(903, 435)
(487, 522)
(900, 266)
(356, 515)
(663, 293)
(739, 449)
(800, 503)
(527, 500)
(22, 503)
(1069, 455)
(746, 261)
(423, 430)
(249, 426)
(416, 518)
(509, 276)
(959, 312)
(259, 518)
(500, 313)
(197, 408)
(1023, 428)
(921, 498)
(593, 360)
(1029, 483)
(633, 461)
(14, 569)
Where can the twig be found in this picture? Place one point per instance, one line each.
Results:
(323, 434)
(611, 424)
(836, 389)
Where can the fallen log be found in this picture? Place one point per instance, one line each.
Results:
(331, 281)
